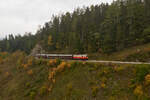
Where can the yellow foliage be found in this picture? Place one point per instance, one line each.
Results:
(68, 65)
(30, 62)
(95, 90)
(138, 90)
(4, 53)
(25, 66)
(54, 71)
(50, 88)
(53, 80)
(50, 40)
(52, 62)
(119, 68)
(51, 75)
(147, 79)
(7, 74)
(30, 72)
(103, 85)
(61, 66)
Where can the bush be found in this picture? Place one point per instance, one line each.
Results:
(103, 85)
(147, 79)
(7, 74)
(32, 94)
(30, 72)
(41, 61)
(138, 91)
(95, 90)
(141, 72)
(43, 90)
(52, 62)
(4, 55)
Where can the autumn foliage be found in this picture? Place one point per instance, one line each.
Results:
(28, 64)
(147, 79)
(53, 72)
(30, 72)
(52, 62)
(138, 90)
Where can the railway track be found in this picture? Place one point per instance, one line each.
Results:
(82, 57)
(116, 62)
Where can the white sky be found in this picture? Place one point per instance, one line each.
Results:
(20, 16)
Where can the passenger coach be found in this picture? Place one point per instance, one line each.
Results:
(63, 56)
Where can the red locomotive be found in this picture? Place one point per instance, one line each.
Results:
(63, 56)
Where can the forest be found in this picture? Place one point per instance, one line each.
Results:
(103, 28)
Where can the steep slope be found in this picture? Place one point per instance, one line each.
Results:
(26, 78)
(135, 53)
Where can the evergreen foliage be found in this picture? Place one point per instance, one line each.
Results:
(100, 28)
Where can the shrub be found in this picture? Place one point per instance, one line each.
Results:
(103, 85)
(119, 68)
(61, 67)
(138, 90)
(20, 61)
(52, 62)
(95, 90)
(50, 88)
(43, 90)
(30, 61)
(68, 65)
(141, 72)
(53, 80)
(32, 94)
(51, 75)
(103, 71)
(58, 61)
(4, 54)
(7, 74)
(17, 55)
(147, 79)
(25, 66)
(30, 72)
(103, 79)
(69, 86)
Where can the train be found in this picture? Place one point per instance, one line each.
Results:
(63, 56)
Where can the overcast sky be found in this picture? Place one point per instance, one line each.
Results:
(20, 16)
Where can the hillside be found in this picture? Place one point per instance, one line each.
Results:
(139, 53)
(116, 31)
(26, 78)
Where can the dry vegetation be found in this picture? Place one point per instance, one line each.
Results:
(137, 53)
(26, 78)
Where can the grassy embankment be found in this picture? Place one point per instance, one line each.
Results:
(137, 53)
(26, 78)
